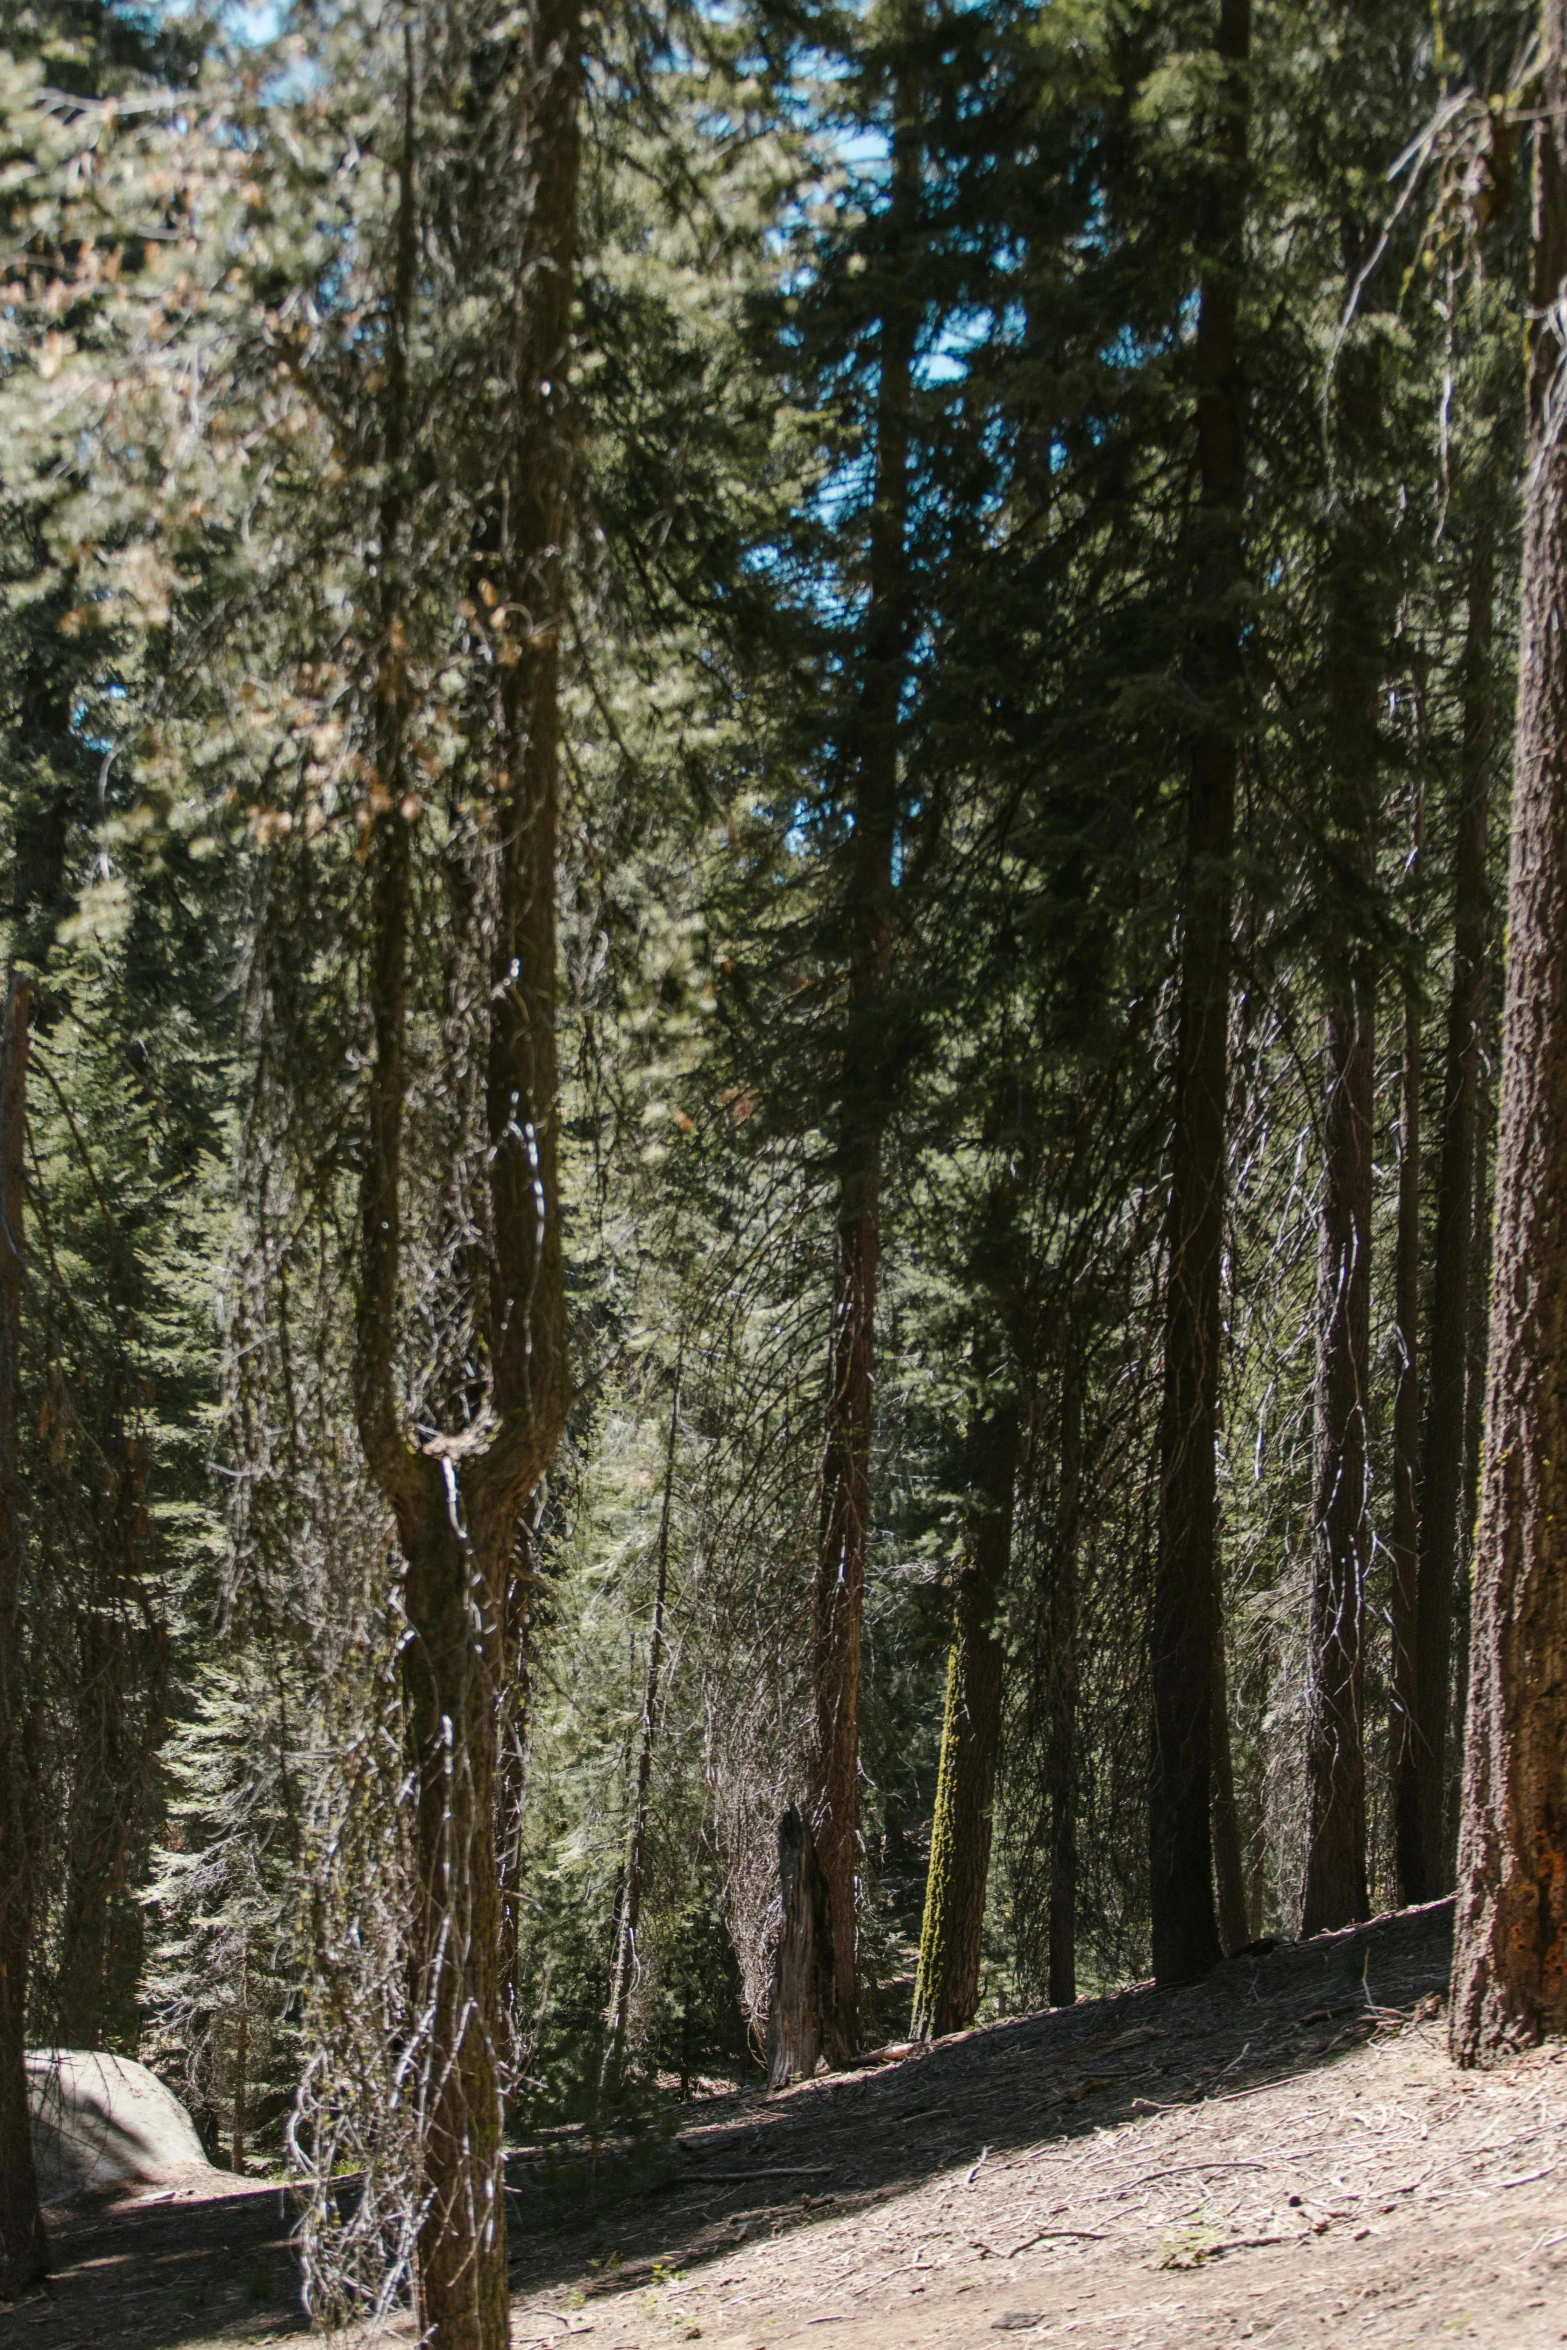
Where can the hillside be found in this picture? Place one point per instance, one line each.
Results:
(1282, 2154)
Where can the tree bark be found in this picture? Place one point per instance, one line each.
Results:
(843, 1524)
(1406, 1442)
(1061, 1764)
(802, 1964)
(1474, 1420)
(1185, 1597)
(513, 1713)
(1334, 1889)
(946, 1987)
(629, 1917)
(24, 2255)
(1510, 1946)
(1442, 1460)
(459, 1501)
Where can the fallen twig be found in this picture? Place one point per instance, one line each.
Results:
(787, 2170)
(1179, 2171)
(1083, 2235)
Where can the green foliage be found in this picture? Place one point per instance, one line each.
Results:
(196, 344)
(226, 1892)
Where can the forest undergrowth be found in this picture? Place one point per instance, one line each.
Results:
(783, 1101)
(1282, 2154)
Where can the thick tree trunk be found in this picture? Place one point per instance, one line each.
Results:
(946, 1988)
(623, 1974)
(802, 1964)
(843, 1526)
(1442, 1459)
(1510, 1947)
(449, 1692)
(1061, 1742)
(23, 2252)
(1185, 1597)
(459, 1501)
(1334, 1888)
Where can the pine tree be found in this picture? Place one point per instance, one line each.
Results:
(225, 1895)
(1510, 1947)
(1185, 1624)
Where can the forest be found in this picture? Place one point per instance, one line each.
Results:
(783, 1086)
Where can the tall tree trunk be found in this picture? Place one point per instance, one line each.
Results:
(1510, 1946)
(862, 1116)
(1334, 1888)
(1479, 1321)
(1333, 1891)
(1185, 1597)
(946, 1987)
(1474, 1421)
(1061, 1741)
(459, 1509)
(624, 1972)
(1442, 1461)
(23, 2252)
(1406, 1444)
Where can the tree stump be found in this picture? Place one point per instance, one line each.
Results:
(802, 1967)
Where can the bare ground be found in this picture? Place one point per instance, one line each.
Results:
(1281, 2154)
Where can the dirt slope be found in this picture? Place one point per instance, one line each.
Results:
(1282, 2154)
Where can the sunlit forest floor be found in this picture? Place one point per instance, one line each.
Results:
(1282, 2154)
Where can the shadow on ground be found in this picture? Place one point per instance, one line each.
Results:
(156, 2276)
(145, 2275)
(749, 2164)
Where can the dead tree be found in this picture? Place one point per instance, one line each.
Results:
(802, 1965)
